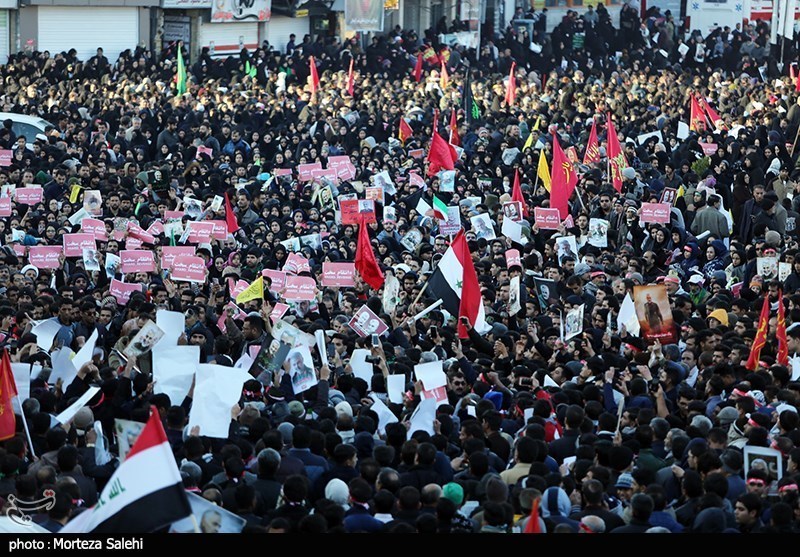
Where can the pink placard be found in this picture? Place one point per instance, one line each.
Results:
(330, 174)
(338, 160)
(122, 290)
(95, 227)
(220, 230)
(132, 242)
(203, 150)
(137, 231)
(278, 311)
(283, 171)
(29, 196)
(299, 288)
(513, 258)
(200, 232)
(416, 153)
(44, 257)
(74, 244)
(6, 156)
(278, 279)
(189, 268)
(296, 264)
(304, 170)
(137, 261)
(708, 148)
(20, 249)
(174, 215)
(5, 206)
(169, 253)
(655, 212)
(338, 274)
(547, 219)
(156, 228)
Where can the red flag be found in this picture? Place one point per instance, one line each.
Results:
(533, 527)
(230, 216)
(797, 82)
(761, 336)
(780, 333)
(8, 390)
(313, 78)
(350, 78)
(697, 121)
(405, 131)
(511, 88)
(616, 156)
(792, 75)
(563, 181)
(444, 79)
(365, 263)
(471, 305)
(441, 155)
(418, 69)
(516, 193)
(454, 139)
(710, 112)
(592, 153)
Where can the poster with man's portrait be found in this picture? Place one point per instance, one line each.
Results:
(147, 337)
(573, 322)
(598, 233)
(653, 312)
(208, 518)
(512, 210)
(365, 323)
(482, 226)
(566, 247)
(546, 292)
(767, 268)
(768, 460)
(300, 366)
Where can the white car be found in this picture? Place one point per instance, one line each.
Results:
(29, 126)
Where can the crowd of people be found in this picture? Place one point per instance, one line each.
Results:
(604, 431)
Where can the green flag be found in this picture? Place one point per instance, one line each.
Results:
(180, 86)
(439, 208)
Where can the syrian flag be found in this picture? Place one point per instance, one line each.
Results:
(455, 282)
(439, 208)
(144, 494)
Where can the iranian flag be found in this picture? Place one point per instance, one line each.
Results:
(144, 494)
(439, 208)
(455, 282)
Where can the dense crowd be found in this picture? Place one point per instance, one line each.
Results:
(605, 431)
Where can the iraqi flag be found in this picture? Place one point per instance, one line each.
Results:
(144, 494)
(455, 282)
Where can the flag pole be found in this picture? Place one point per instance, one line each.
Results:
(25, 425)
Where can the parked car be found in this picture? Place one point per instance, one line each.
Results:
(29, 126)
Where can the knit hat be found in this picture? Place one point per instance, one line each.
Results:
(720, 315)
(454, 492)
(625, 481)
(297, 409)
(727, 415)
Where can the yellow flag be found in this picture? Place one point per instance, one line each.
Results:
(529, 141)
(543, 171)
(253, 292)
(73, 194)
(536, 125)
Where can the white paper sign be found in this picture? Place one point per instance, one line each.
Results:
(423, 416)
(323, 353)
(431, 375)
(46, 332)
(173, 323)
(63, 368)
(70, 412)
(395, 385)
(173, 370)
(22, 377)
(361, 367)
(385, 416)
(84, 355)
(216, 390)
(627, 316)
